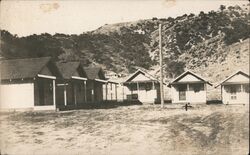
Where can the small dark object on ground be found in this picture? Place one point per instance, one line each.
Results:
(187, 105)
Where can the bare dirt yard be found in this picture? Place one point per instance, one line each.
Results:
(130, 130)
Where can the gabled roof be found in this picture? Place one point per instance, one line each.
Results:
(132, 76)
(232, 75)
(94, 73)
(22, 68)
(68, 69)
(184, 74)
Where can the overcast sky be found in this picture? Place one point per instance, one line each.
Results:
(25, 17)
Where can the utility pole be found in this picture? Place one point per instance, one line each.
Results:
(161, 69)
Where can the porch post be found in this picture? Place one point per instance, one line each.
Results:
(74, 93)
(93, 92)
(153, 88)
(116, 92)
(205, 90)
(111, 91)
(122, 92)
(106, 84)
(131, 90)
(85, 92)
(65, 95)
(138, 89)
(221, 91)
(54, 93)
(187, 93)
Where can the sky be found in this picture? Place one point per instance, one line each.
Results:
(26, 17)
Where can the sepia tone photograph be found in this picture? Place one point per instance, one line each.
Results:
(124, 77)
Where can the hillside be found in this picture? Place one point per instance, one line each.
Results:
(202, 42)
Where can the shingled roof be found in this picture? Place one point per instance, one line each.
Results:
(68, 69)
(22, 68)
(94, 73)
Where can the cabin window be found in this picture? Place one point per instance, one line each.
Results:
(246, 88)
(132, 87)
(148, 86)
(142, 87)
(197, 87)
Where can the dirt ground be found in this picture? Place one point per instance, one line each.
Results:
(130, 130)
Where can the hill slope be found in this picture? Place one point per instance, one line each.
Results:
(198, 42)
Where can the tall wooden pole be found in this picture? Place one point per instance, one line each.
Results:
(65, 94)
(85, 91)
(161, 69)
(54, 94)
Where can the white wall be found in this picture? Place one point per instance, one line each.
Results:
(242, 97)
(15, 96)
(125, 92)
(144, 96)
(147, 96)
(120, 93)
(111, 94)
(191, 96)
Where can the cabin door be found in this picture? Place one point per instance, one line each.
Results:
(45, 87)
(182, 92)
(60, 94)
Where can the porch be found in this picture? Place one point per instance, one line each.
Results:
(189, 92)
(71, 93)
(44, 92)
(143, 91)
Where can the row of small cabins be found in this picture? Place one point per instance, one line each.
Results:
(41, 84)
(187, 88)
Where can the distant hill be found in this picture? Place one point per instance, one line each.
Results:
(210, 43)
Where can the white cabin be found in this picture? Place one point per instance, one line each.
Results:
(143, 87)
(189, 88)
(235, 89)
(28, 84)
